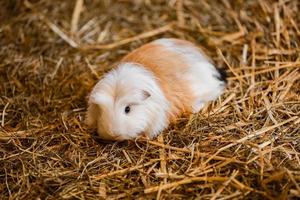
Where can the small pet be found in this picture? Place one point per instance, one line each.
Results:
(150, 87)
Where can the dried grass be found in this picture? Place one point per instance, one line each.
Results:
(246, 145)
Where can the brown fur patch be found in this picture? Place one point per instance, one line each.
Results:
(167, 66)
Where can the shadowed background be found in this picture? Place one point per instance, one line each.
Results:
(244, 145)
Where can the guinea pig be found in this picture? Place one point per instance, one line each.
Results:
(150, 87)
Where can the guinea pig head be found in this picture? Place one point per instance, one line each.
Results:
(125, 104)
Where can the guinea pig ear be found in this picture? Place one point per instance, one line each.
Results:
(145, 94)
(98, 98)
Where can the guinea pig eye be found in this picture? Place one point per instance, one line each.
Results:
(127, 109)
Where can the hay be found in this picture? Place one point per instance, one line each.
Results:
(244, 145)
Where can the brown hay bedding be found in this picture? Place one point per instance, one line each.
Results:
(245, 145)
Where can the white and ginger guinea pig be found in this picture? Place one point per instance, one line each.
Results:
(150, 87)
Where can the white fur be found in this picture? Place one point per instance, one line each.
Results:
(121, 87)
(201, 74)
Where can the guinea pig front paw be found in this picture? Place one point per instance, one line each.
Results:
(144, 136)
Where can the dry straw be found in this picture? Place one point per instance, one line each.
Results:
(245, 145)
